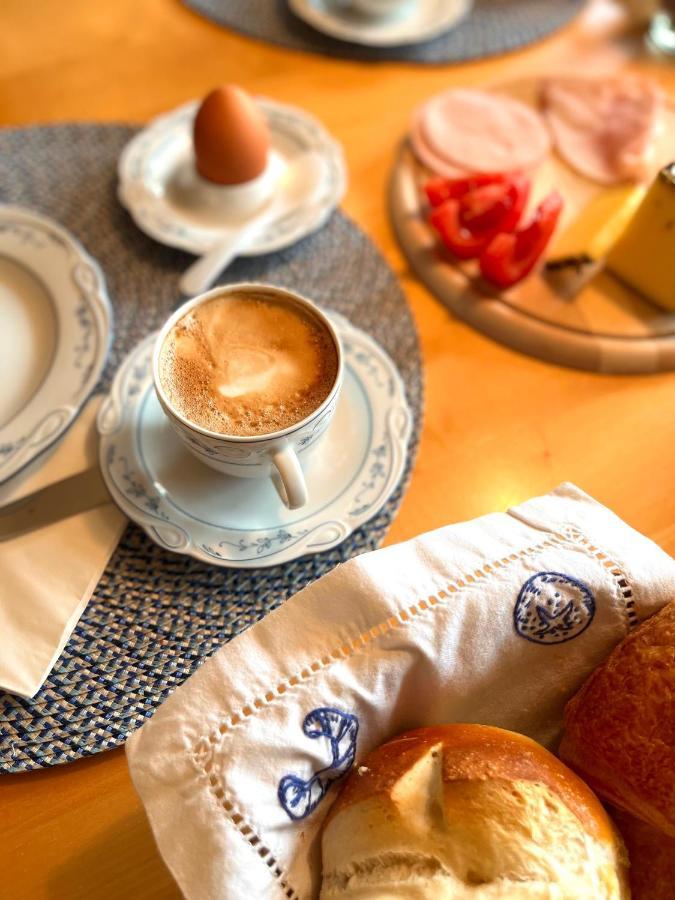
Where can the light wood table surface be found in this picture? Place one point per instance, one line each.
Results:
(499, 427)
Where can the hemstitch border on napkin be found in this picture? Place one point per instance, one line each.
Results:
(201, 754)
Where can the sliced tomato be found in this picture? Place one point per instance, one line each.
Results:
(467, 225)
(438, 190)
(459, 240)
(508, 258)
(495, 206)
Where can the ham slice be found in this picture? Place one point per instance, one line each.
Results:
(426, 155)
(604, 128)
(462, 131)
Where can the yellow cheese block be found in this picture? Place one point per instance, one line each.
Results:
(590, 235)
(644, 255)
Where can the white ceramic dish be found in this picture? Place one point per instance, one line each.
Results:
(55, 334)
(414, 22)
(236, 201)
(156, 182)
(186, 507)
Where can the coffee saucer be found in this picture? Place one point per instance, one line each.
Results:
(240, 522)
(156, 166)
(413, 22)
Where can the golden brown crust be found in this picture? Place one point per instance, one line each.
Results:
(620, 727)
(652, 858)
(475, 752)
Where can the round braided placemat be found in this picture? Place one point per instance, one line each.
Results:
(155, 616)
(493, 26)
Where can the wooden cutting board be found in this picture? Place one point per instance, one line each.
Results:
(607, 327)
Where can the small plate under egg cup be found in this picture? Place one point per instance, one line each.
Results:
(159, 187)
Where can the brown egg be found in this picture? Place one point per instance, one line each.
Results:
(231, 138)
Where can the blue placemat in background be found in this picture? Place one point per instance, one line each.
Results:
(492, 26)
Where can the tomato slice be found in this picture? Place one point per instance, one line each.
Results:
(508, 258)
(459, 240)
(438, 190)
(467, 225)
(495, 206)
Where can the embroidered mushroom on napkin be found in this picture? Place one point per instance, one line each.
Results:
(497, 621)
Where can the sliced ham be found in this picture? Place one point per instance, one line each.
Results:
(474, 131)
(605, 128)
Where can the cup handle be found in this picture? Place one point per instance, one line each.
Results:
(290, 483)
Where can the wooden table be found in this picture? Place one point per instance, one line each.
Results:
(499, 427)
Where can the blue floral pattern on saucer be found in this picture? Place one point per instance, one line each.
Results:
(184, 506)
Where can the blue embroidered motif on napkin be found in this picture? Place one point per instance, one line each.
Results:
(552, 608)
(299, 797)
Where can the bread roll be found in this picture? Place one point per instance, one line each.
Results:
(468, 811)
(620, 727)
(652, 858)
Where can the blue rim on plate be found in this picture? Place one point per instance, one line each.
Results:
(75, 287)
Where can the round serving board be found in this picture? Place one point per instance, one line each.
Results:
(607, 327)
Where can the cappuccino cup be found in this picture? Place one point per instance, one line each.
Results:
(249, 377)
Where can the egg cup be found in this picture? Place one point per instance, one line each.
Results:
(223, 203)
(172, 203)
(238, 199)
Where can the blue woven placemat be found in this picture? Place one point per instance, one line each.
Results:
(493, 26)
(155, 616)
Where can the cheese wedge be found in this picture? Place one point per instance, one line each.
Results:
(644, 255)
(590, 236)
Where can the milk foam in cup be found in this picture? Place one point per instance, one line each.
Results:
(249, 377)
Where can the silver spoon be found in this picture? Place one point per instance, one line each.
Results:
(302, 181)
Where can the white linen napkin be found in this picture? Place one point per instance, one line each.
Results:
(48, 575)
(497, 621)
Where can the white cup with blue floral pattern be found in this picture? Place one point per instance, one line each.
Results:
(278, 454)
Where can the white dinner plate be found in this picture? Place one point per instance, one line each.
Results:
(153, 166)
(240, 522)
(414, 22)
(56, 328)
